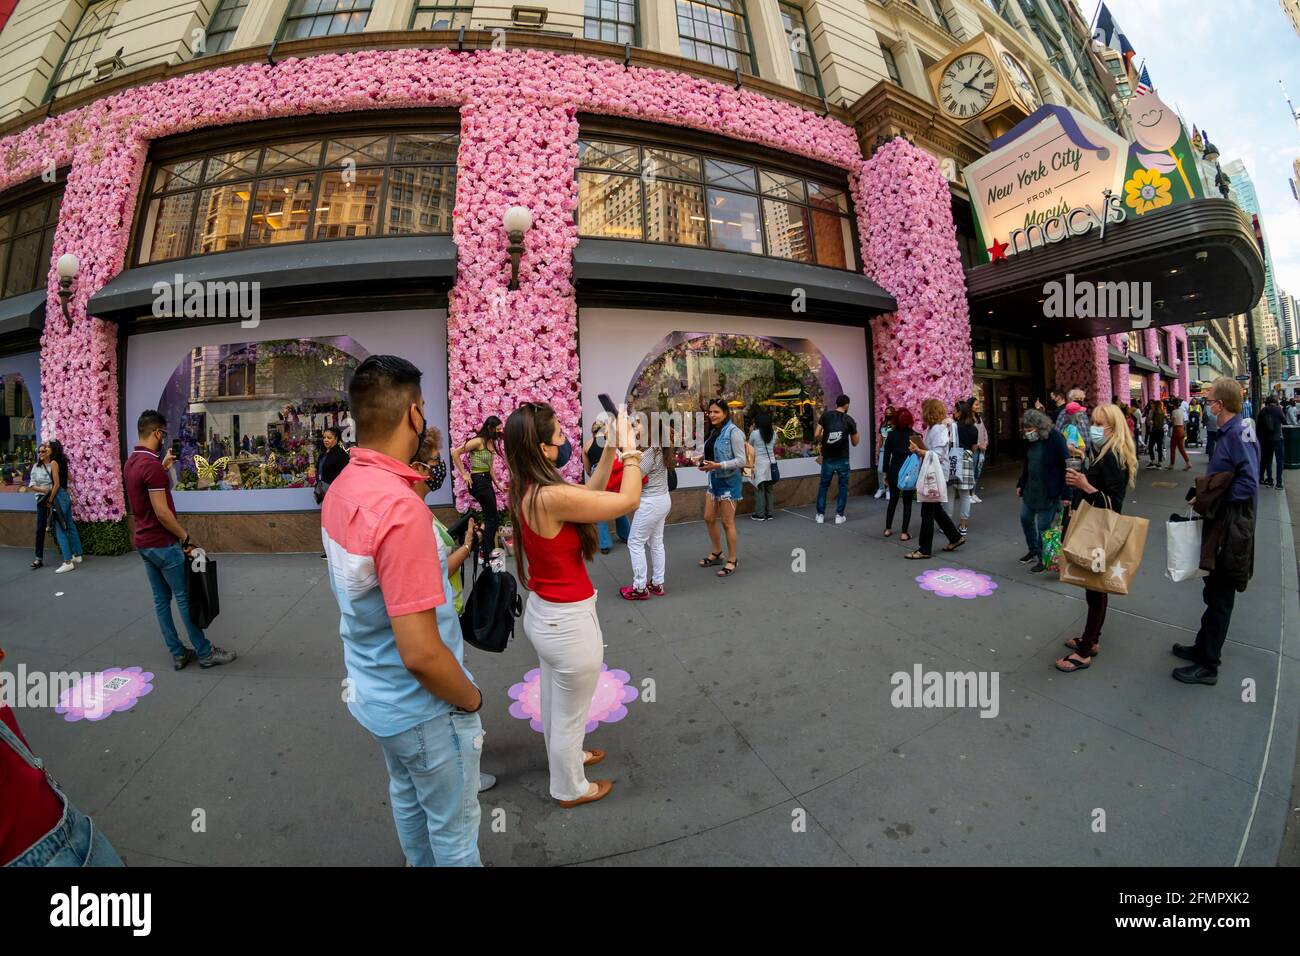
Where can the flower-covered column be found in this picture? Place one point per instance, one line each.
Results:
(1118, 373)
(1085, 364)
(924, 349)
(510, 346)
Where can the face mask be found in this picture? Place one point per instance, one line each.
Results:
(1097, 433)
(1032, 435)
(563, 455)
(437, 474)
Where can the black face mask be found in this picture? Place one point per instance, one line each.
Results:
(419, 440)
(563, 455)
(437, 473)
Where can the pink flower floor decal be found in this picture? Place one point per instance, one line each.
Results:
(98, 695)
(608, 704)
(956, 582)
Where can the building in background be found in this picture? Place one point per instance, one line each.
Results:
(1292, 10)
(1289, 324)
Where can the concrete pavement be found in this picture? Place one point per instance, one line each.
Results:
(771, 737)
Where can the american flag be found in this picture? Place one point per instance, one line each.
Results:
(1144, 83)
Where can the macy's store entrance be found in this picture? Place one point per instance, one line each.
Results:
(1008, 380)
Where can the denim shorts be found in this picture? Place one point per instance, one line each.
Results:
(724, 487)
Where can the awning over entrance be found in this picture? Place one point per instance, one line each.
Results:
(22, 319)
(613, 272)
(1142, 362)
(299, 279)
(1200, 258)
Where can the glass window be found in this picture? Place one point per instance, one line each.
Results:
(76, 68)
(733, 222)
(717, 32)
(731, 175)
(337, 186)
(619, 157)
(891, 65)
(997, 357)
(281, 207)
(786, 227)
(833, 240)
(27, 241)
(1135, 343)
(940, 16)
(440, 16)
(250, 415)
(674, 165)
(782, 186)
(674, 213)
(17, 433)
(222, 27)
(609, 206)
(799, 41)
(615, 21)
(319, 18)
(981, 354)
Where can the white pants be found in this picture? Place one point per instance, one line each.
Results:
(570, 650)
(958, 502)
(648, 528)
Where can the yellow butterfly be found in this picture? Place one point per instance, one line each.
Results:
(792, 429)
(206, 471)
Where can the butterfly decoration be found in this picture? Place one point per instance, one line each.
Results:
(792, 429)
(208, 472)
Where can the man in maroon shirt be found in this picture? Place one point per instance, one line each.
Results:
(38, 826)
(163, 543)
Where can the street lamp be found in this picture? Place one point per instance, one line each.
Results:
(1211, 153)
(67, 267)
(517, 220)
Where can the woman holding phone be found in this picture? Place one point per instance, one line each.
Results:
(724, 457)
(481, 479)
(557, 536)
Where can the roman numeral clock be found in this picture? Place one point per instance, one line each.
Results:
(983, 80)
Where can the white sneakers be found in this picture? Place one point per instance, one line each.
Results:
(840, 519)
(65, 566)
(821, 519)
(76, 559)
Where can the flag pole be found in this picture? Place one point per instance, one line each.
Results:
(1092, 25)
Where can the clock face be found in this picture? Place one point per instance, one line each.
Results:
(967, 85)
(1024, 86)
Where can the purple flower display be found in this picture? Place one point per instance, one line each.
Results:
(956, 582)
(110, 691)
(608, 704)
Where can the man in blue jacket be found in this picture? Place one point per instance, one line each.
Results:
(1042, 483)
(1225, 498)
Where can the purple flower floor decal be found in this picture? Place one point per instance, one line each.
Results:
(97, 696)
(956, 582)
(608, 704)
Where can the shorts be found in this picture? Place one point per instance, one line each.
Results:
(724, 487)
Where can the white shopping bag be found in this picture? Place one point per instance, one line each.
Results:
(1183, 544)
(932, 482)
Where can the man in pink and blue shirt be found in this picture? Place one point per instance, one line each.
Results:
(402, 645)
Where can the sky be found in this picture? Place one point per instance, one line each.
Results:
(1219, 64)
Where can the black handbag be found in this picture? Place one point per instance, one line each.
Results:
(492, 603)
(201, 586)
(775, 469)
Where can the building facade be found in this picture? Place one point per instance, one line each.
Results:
(749, 197)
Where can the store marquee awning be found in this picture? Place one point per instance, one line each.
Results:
(23, 314)
(1115, 356)
(298, 279)
(1200, 257)
(1142, 362)
(622, 274)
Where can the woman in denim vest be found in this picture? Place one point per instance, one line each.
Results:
(724, 457)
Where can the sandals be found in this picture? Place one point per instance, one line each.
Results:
(596, 757)
(714, 558)
(954, 547)
(1073, 644)
(1076, 664)
(917, 555)
(603, 787)
(904, 537)
(725, 572)
(889, 532)
(38, 563)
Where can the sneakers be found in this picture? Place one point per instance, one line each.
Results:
(821, 519)
(976, 499)
(1038, 568)
(1196, 674)
(630, 593)
(656, 589)
(880, 492)
(840, 519)
(757, 517)
(76, 559)
(1028, 557)
(180, 663)
(486, 781)
(65, 566)
(218, 656)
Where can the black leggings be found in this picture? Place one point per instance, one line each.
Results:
(480, 486)
(1097, 604)
(908, 497)
(932, 512)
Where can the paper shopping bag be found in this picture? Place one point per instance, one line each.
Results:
(1092, 528)
(1114, 576)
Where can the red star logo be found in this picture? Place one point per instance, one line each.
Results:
(997, 251)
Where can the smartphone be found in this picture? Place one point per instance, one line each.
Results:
(607, 403)
(176, 448)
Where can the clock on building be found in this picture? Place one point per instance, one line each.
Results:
(1021, 83)
(967, 85)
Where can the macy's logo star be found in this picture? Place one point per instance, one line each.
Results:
(997, 251)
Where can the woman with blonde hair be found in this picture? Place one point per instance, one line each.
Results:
(938, 439)
(1112, 472)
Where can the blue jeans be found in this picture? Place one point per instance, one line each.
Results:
(75, 841)
(69, 541)
(1035, 521)
(838, 466)
(433, 787)
(621, 525)
(166, 570)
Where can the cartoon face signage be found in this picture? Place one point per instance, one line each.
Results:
(1161, 168)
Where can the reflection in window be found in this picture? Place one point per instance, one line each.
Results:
(250, 415)
(212, 204)
(891, 65)
(789, 378)
(319, 18)
(27, 242)
(17, 433)
(716, 31)
(659, 195)
(440, 16)
(77, 67)
(614, 21)
(799, 41)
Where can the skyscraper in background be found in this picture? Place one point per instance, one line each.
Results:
(1243, 194)
(1292, 8)
(1289, 325)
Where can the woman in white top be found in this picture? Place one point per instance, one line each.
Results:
(40, 483)
(763, 438)
(648, 528)
(938, 438)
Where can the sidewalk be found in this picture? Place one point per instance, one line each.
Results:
(771, 738)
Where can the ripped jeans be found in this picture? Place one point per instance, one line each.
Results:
(433, 786)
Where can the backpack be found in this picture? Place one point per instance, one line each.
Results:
(492, 603)
(908, 473)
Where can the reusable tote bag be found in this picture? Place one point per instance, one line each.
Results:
(1113, 576)
(201, 585)
(1183, 545)
(932, 482)
(1092, 529)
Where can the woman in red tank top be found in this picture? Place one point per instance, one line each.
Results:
(557, 537)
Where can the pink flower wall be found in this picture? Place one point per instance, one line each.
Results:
(1086, 364)
(923, 350)
(518, 147)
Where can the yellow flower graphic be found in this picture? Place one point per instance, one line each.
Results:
(1147, 190)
